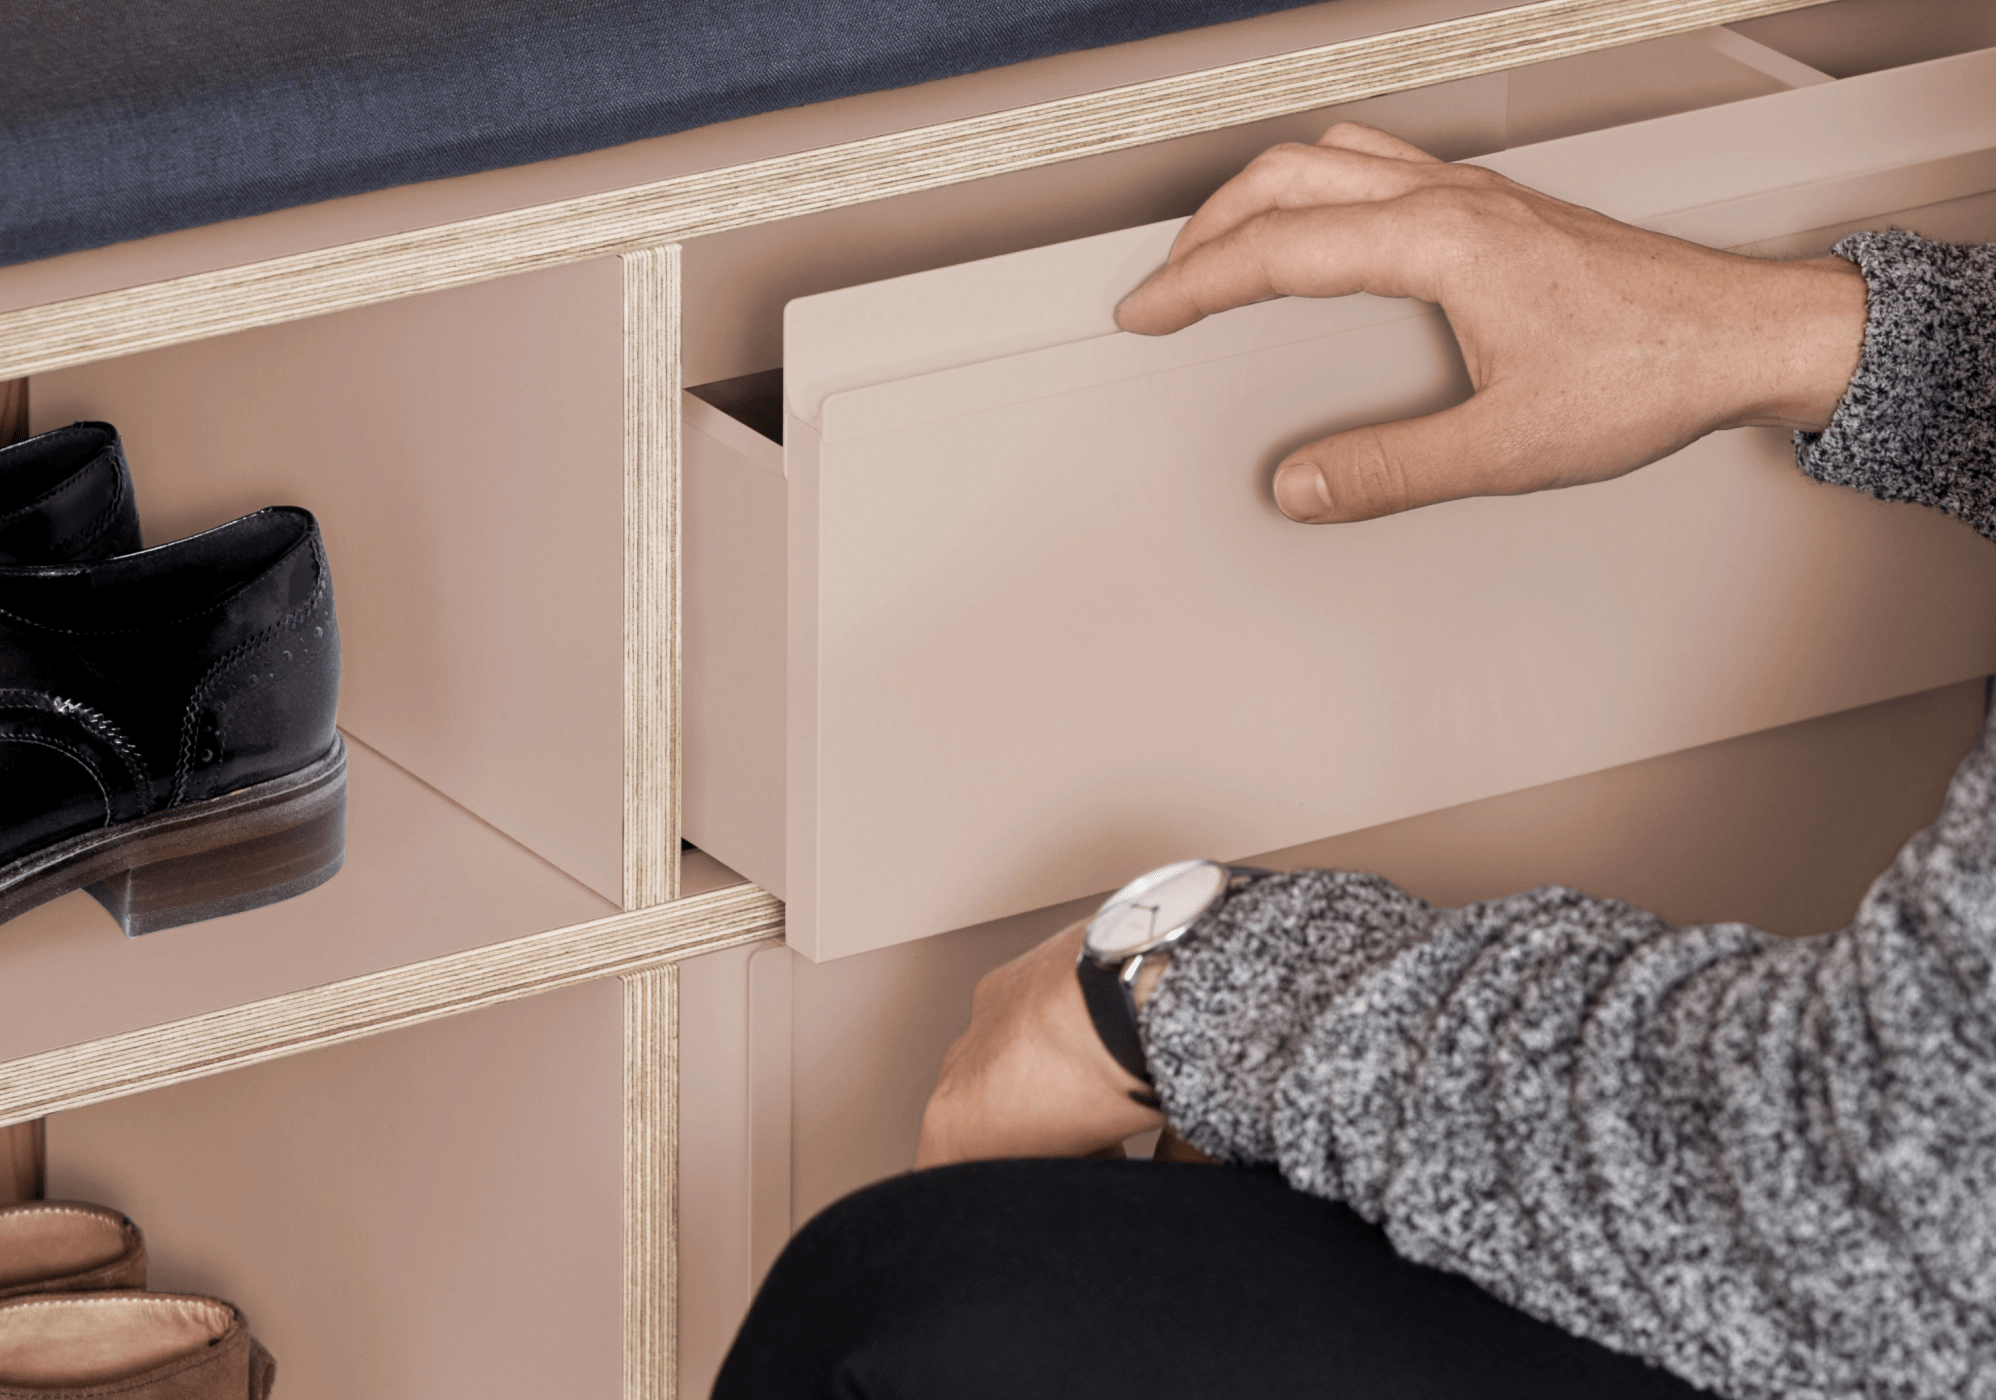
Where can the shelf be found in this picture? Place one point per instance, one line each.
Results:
(423, 879)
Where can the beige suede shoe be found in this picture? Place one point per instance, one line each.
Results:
(68, 1247)
(129, 1345)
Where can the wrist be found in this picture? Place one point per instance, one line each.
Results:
(1803, 332)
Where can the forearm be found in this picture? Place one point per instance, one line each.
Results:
(1760, 1162)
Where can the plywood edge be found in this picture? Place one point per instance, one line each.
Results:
(337, 1012)
(651, 1183)
(651, 577)
(58, 334)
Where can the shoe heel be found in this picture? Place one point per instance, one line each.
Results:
(270, 852)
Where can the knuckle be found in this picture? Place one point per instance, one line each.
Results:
(1288, 152)
(1282, 164)
(1447, 205)
(988, 989)
(1452, 221)
(1255, 244)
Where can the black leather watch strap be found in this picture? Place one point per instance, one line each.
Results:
(1110, 997)
(1114, 1014)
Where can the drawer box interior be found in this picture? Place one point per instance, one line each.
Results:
(1043, 627)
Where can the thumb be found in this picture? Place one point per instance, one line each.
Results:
(1473, 449)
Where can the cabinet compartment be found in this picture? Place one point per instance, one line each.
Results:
(429, 1215)
(1045, 627)
(464, 452)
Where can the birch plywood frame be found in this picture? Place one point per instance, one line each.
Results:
(651, 577)
(651, 1182)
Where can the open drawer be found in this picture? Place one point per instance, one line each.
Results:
(1010, 616)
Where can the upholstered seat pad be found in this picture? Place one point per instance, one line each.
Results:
(123, 118)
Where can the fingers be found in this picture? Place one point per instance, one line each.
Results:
(1295, 176)
(1391, 249)
(1371, 141)
(1030, 1076)
(1484, 447)
(1348, 163)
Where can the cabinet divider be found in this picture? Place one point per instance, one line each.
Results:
(651, 576)
(651, 1183)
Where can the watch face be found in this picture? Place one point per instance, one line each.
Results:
(1151, 908)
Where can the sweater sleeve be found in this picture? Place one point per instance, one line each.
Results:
(1764, 1163)
(1919, 417)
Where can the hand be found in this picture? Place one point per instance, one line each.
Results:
(1030, 1078)
(1594, 347)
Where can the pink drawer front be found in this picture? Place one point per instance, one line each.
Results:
(1010, 615)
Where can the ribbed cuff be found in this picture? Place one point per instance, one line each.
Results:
(1918, 422)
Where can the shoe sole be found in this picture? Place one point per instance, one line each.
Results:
(239, 851)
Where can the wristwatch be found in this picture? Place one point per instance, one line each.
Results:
(1137, 927)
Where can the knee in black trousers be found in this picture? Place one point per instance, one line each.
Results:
(1027, 1279)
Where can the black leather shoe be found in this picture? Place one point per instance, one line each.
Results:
(166, 726)
(67, 495)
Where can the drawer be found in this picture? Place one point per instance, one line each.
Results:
(1009, 614)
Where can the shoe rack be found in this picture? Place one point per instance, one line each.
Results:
(478, 387)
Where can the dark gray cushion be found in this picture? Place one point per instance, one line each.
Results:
(122, 118)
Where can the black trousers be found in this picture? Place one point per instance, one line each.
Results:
(1165, 1281)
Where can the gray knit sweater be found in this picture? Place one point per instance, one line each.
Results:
(1766, 1164)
